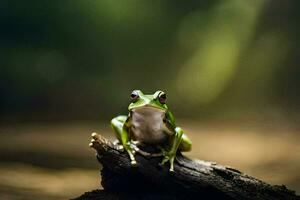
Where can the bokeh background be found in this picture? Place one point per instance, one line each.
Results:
(230, 69)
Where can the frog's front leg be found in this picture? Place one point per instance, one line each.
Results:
(120, 127)
(170, 155)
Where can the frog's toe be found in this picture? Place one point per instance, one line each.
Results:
(171, 165)
(133, 163)
(116, 142)
(120, 147)
(170, 160)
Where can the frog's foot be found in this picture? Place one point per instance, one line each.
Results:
(134, 146)
(131, 156)
(131, 149)
(118, 145)
(168, 157)
(133, 161)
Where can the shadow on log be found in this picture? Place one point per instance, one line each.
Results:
(191, 179)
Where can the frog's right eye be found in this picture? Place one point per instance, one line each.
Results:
(134, 95)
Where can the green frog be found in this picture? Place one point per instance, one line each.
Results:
(150, 123)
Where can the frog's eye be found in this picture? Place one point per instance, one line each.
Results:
(162, 97)
(134, 95)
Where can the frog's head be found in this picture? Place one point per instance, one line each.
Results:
(140, 100)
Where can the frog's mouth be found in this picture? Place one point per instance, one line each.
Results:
(149, 108)
(150, 113)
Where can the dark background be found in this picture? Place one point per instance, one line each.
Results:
(230, 70)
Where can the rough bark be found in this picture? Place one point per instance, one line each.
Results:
(192, 178)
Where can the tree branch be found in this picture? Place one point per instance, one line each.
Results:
(191, 177)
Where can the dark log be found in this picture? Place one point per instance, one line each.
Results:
(192, 178)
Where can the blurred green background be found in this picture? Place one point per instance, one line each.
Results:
(230, 69)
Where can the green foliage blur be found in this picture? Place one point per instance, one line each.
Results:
(79, 60)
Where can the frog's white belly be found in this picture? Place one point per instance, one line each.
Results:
(148, 125)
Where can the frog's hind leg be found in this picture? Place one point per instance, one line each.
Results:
(185, 144)
(117, 125)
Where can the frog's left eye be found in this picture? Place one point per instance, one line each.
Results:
(162, 97)
(134, 95)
